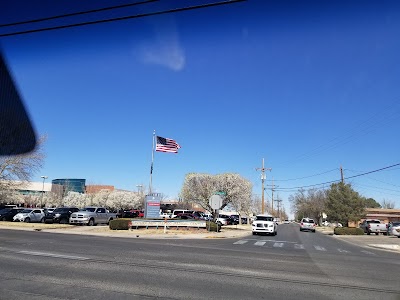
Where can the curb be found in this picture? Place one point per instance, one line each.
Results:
(232, 233)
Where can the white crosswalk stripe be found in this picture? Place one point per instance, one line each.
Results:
(284, 244)
(343, 251)
(260, 243)
(319, 248)
(241, 242)
(298, 246)
(367, 252)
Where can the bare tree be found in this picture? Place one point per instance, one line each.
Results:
(19, 169)
(388, 204)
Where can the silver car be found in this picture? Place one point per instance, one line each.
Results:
(395, 229)
(30, 215)
(307, 224)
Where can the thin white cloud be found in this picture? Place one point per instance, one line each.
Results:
(165, 50)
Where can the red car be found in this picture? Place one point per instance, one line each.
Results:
(140, 213)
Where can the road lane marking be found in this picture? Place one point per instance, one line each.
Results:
(343, 251)
(278, 245)
(241, 242)
(260, 243)
(298, 246)
(47, 254)
(367, 252)
(319, 248)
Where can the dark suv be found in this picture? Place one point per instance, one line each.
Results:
(60, 215)
(7, 214)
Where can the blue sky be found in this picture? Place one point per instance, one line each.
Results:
(307, 85)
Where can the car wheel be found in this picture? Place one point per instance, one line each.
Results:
(275, 233)
(376, 233)
(4, 219)
(254, 233)
(313, 231)
(27, 220)
(368, 232)
(301, 229)
(91, 222)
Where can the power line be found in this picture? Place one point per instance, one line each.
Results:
(364, 127)
(292, 179)
(381, 181)
(162, 12)
(333, 181)
(374, 171)
(77, 13)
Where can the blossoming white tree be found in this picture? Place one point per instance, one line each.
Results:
(198, 188)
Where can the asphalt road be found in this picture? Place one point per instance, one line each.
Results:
(291, 265)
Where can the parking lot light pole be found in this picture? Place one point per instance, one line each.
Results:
(41, 198)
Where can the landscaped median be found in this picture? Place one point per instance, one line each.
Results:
(231, 231)
(167, 224)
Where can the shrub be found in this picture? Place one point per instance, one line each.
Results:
(120, 224)
(212, 226)
(348, 231)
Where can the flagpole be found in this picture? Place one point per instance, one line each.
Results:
(152, 163)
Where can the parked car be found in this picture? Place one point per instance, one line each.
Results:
(126, 214)
(187, 216)
(60, 215)
(395, 229)
(264, 224)
(165, 215)
(286, 222)
(30, 215)
(180, 211)
(92, 216)
(373, 226)
(50, 209)
(221, 221)
(307, 224)
(140, 213)
(7, 214)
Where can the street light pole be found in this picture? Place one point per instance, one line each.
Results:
(41, 199)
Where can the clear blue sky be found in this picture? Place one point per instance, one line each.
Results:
(307, 85)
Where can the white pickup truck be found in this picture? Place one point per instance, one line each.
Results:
(373, 226)
(92, 216)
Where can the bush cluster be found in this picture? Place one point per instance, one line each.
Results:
(212, 226)
(119, 224)
(348, 231)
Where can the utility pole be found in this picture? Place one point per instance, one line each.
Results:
(341, 174)
(273, 186)
(279, 206)
(263, 177)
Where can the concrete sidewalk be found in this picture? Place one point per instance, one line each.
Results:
(231, 231)
(390, 243)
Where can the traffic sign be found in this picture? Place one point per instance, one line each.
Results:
(215, 201)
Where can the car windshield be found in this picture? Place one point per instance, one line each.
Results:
(275, 110)
(264, 218)
(61, 210)
(90, 209)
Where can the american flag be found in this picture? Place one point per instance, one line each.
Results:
(167, 145)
